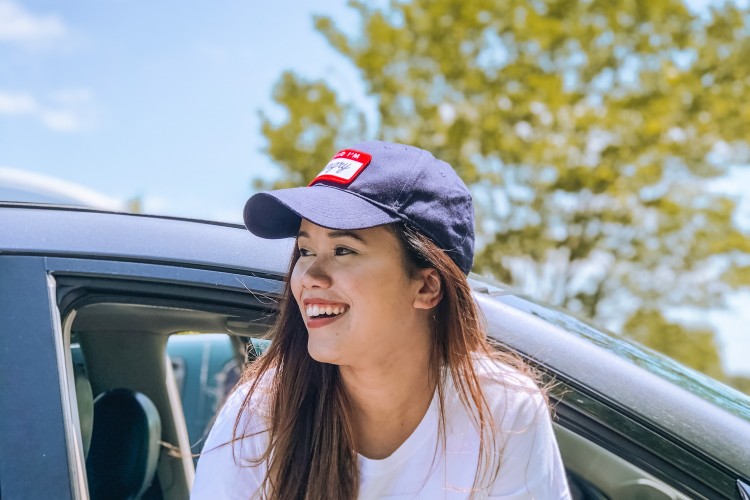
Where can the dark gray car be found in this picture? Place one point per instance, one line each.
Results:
(90, 405)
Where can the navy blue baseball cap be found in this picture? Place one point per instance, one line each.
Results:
(372, 184)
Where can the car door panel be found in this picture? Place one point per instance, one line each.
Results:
(30, 399)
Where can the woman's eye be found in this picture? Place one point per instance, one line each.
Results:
(304, 252)
(343, 251)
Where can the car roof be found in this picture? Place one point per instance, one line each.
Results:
(80, 232)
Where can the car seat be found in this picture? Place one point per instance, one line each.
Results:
(125, 444)
(85, 403)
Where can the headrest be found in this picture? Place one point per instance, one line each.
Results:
(85, 400)
(124, 445)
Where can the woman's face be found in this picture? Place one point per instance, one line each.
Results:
(356, 297)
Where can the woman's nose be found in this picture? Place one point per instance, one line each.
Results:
(316, 275)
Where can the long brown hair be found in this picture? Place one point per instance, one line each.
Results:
(311, 453)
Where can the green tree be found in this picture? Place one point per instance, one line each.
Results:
(740, 383)
(588, 132)
(318, 123)
(695, 347)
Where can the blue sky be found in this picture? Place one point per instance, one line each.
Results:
(154, 99)
(159, 100)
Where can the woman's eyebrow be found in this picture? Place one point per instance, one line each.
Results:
(335, 234)
(345, 234)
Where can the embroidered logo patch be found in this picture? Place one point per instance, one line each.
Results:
(344, 167)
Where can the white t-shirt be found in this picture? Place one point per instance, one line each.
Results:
(531, 467)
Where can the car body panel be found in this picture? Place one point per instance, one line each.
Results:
(30, 374)
(615, 378)
(54, 231)
(669, 410)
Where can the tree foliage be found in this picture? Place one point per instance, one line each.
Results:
(588, 130)
(695, 347)
(317, 124)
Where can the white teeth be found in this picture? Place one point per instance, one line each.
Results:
(316, 310)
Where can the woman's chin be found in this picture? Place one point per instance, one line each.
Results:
(322, 353)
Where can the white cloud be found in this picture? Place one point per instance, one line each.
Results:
(61, 121)
(68, 110)
(16, 103)
(18, 25)
(23, 185)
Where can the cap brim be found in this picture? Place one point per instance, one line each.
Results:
(278, 214)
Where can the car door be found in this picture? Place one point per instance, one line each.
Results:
(35, 461)
(112, 319)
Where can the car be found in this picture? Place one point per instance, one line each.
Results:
(91, 405)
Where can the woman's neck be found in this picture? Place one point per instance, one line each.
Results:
(388, 401)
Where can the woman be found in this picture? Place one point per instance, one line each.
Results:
(379, 381)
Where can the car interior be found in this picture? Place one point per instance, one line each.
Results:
(128, 419)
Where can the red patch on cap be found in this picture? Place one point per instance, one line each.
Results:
(344, 167)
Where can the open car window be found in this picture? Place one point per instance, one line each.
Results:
(150, 363)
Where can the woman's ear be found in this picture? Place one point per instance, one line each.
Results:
(430, 291)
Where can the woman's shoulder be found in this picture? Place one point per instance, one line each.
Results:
(259, 388)
(510, 392)
(246, 413)
(496, 372)
(230, 465)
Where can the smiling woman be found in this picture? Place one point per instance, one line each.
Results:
(333, 409)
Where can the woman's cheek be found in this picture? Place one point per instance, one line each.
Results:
(295, 280)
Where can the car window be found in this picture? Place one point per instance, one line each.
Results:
(167, 363)
(595, 473)
(206, 367)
